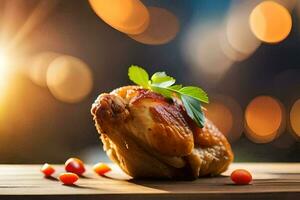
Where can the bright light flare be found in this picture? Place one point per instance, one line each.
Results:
(4, 71)
(270, 22)
(264, 119)
(36, 17)
(3, 59)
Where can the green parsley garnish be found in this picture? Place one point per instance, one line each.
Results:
(163, 84)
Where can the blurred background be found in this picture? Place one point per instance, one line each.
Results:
(57, 56)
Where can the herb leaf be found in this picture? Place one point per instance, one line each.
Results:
(162, 90)
(162, 79)
(194, 92)
(163, 84)
(139, 76)
(175, 87)
(193, 109)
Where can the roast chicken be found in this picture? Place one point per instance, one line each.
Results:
(150, 136)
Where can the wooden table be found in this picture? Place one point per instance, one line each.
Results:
(271, 181)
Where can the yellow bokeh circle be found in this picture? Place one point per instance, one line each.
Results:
(69, 79)
(38, 66)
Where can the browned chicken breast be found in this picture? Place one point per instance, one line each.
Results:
(150, 136)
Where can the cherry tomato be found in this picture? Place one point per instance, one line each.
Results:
(47, 169)
(68, 178)
(75, 165)
(241, 177)
(101, 168)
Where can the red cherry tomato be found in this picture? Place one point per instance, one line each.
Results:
(68, 178)
(75, 165)
(101, 168)
(241, 177)
(47, 169)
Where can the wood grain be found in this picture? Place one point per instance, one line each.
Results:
(271, 181)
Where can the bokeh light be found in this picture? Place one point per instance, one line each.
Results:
(221, 116)
(129, 16)
(69, 79)
(270, 22)
(38, 66)
(264, 119)
(5, 71)
(163, 27)
(204, 53)
(229, 51)
(295, 117)
(238, 32)
(226, 113)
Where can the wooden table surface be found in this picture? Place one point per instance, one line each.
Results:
(271, 181)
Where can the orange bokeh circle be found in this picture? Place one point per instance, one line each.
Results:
(270, 22)
(127, 16)
(264, 119)
(295, 118)
(226, 114)
(163, 27)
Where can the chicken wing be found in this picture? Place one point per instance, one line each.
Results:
(150, 136)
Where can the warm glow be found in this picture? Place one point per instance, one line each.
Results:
(69, 79)
(230, 51)
(221, 116)
(40, 12)
(38, 66)
(129, 16)
(263, 119)
(270, 22)
(203, 51)
(238, 32)
(4, 72)
(226, 114)
(3, 59)
(295, 117)
(162, 28)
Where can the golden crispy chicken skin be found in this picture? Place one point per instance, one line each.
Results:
(149, 136)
